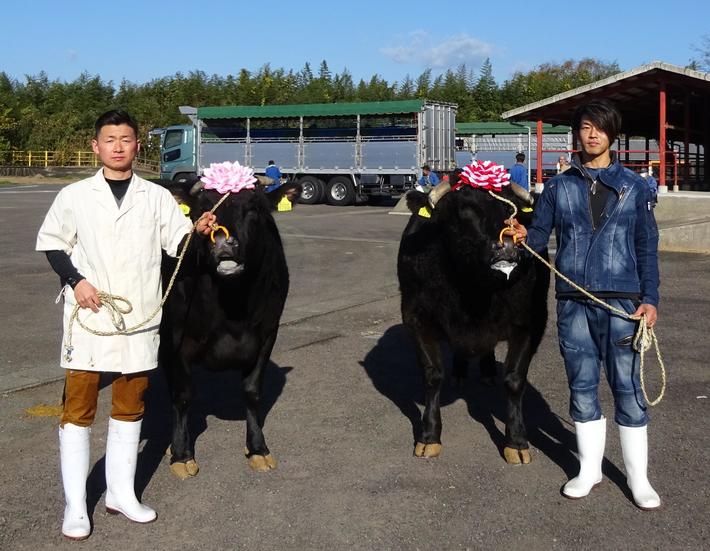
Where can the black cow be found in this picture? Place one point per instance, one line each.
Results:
(457, 287)
(224, 310)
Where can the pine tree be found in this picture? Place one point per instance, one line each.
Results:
(423, 84)
(486, 95)
(406, 89)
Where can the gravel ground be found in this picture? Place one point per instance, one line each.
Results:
(343, 399)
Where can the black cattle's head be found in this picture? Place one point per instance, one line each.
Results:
(246, 216)
(470, 221)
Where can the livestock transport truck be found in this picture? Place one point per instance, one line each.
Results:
(339, 152)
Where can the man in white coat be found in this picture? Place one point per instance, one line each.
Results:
(107, 232)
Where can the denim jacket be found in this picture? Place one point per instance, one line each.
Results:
(621, 254)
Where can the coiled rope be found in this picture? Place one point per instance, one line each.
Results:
(116, 311)
(645, 336)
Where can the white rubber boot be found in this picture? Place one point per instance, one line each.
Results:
(121, 456)
(74, 457)
(591, 438)
(634, 446)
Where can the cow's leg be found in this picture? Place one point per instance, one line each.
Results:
(260, 458)
(487, 364)
(516, 449)
(181, 451)
(429, 358)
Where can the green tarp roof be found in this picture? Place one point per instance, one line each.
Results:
(310, 110)
(487, 128)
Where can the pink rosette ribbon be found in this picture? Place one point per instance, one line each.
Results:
(483, 175)
(228, 177)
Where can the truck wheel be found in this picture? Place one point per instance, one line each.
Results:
(311, 190)
(184, 177)
(340, 191)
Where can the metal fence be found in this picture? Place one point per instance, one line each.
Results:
(44, 159)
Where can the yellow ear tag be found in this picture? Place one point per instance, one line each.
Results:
(185, 209)
(424, 212)
(526, 209)
(284, 205)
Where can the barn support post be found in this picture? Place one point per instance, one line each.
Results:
(662, 188)
(520, 149)
(529, 158)
(538, 177)
(686, 142)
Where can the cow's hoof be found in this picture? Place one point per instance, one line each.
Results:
(262, 463)
(185, 470)
(514, 456)
(427, 450)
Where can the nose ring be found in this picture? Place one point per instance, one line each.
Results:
(219, 228)
(508, 231)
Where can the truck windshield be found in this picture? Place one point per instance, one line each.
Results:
(172, 138)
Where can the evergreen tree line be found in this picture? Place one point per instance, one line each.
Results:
(39, 113)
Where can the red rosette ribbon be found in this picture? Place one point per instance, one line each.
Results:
(483, 175)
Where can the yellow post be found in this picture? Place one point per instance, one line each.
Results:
(96, 160)
(29, 158)
(78, 158)
(46, 158)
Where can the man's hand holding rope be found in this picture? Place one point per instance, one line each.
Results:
(87, 296)
(206, 223)
(650, 311)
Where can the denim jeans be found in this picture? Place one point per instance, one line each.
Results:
(592, 336)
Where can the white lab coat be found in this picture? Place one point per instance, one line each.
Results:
(117, 251)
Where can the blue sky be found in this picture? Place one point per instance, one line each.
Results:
(142, 40)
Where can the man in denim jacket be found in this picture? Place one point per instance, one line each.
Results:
(607, 243)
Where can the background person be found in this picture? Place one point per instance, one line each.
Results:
(562, 164)
(647, 174)
(607, 243)
(107, 232)
(428, 179)
(273, 172)
(519, 172)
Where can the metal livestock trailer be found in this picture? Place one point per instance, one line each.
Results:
(339, 152)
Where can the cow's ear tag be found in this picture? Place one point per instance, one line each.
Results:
(527, 209)
(284, 205)
(185, 209)
(424, 212)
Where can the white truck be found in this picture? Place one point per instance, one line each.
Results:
(339, 152)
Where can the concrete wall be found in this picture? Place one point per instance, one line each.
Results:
(684, 221)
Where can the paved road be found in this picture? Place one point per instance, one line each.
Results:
(343, 402)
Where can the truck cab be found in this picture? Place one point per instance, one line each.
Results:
(178, 161)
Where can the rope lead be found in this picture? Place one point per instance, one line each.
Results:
(645, 336)
(111, 302)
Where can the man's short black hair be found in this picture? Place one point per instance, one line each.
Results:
(271, 162)
(115, 117)
(520, 157)
(602, 114)
(426, 167)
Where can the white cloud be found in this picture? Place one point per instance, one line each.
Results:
(419, 47)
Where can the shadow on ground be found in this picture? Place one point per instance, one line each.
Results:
(217, 394)
(391, 365)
